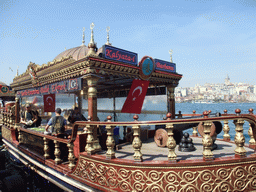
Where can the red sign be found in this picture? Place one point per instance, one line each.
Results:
(49, 103)
(136, 96)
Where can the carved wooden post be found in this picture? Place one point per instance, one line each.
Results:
(137, 144)
(46, 148)
(207, 139)
(110, 140)
(57, 152)
(226, 136)
(89, 142)
(252, 142)
(71, 156)
(92, 81)
(239, 137)
(171, 143)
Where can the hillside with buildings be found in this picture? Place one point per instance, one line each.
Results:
(214, 93)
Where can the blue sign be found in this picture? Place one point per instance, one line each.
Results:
(165, 66)
(120, 55)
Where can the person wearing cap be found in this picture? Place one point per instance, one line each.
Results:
(76, 116)
(58, 123)
(29, 117)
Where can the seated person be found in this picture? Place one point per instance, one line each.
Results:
(29, 117)
(59, 123)
(76, 116)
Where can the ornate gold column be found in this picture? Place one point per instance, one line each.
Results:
(136, 143)
(89, 142)
(57, 152)
(252, 142)
(171, 143)
(71, 156)
(110, 142)
(239, 137)
(226, 136)
(92, 81)
(17, 112)
(46, 148)
(207, 139)
(171, 100)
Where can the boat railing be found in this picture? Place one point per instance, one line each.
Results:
(207, 141)
(90, 143)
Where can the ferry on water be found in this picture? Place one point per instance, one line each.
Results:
(88, 156)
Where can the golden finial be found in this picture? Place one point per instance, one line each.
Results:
(170, 52)
(83, 36)
(108, 29)
(92, 45)
(92, 37)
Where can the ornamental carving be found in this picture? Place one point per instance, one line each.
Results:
(199, 178)
(6, 134)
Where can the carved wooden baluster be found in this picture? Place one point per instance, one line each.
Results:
(71, 156)
(46, 148)
(57, 152)
(20, 136)
(226, 136)
(207, 139)
(195, 134)
(252, 142)
(136, 143)
(17, 112)
(171, 143)
(239, 137)
(89, 142)
(110, 142)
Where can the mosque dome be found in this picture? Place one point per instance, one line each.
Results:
(77, 53)
(2, 83)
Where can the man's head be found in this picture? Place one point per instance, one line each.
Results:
(58, 110)
(28, 106)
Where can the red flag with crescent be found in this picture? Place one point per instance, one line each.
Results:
(136, 96)
(49, 103)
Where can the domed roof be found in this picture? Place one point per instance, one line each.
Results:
(77, 53)
(2, 83)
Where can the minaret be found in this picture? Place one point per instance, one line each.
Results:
(108, 29)
(17, 73)
(83, 37)
(170, 52)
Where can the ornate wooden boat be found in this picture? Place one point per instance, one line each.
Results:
(83, 161)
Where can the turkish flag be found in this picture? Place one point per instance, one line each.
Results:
(49, 103)
(136, 96)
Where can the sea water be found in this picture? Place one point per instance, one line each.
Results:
(159, 103)
(187, 108)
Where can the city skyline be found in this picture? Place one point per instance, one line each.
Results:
(208, 39)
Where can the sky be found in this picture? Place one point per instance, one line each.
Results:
(210, 39)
